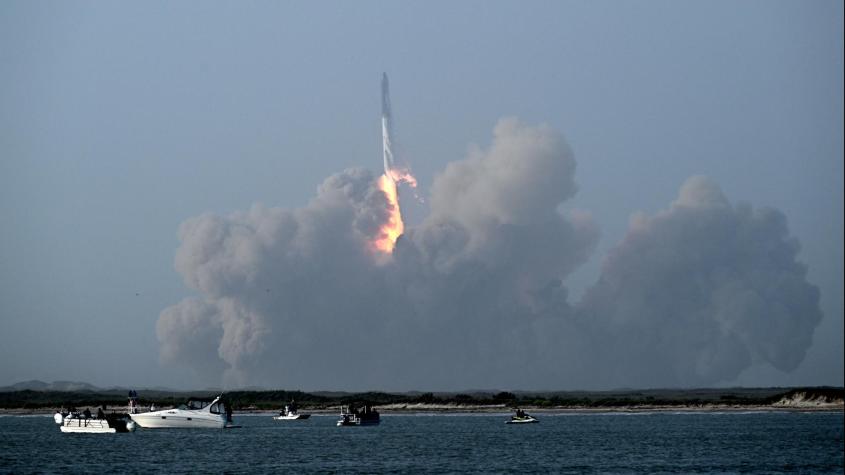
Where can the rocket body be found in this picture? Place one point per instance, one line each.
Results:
(388, 154)
(385, 96)
(386, 127)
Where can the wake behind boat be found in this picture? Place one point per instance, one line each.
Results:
(195, 413)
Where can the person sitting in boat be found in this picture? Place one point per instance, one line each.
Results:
(520, 412)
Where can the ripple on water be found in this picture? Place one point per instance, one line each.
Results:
(562, 442)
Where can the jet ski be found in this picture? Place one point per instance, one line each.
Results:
(521, 417)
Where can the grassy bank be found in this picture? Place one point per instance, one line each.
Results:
(271, 400)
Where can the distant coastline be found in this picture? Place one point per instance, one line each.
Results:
(387, 410)
(47, 399)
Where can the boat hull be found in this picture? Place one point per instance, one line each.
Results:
(88, 430)
(87, 426)
(298, 417)
(522, 421)
(167, 420)
(351, 423)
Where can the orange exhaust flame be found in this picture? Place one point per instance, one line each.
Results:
(393, 227)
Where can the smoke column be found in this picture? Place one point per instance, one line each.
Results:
(475, 296)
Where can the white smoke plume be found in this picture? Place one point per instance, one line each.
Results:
(474, 297)
(695, 294)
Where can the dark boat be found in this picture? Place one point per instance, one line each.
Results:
(353, 416)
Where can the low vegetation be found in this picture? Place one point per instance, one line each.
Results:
(270, 400)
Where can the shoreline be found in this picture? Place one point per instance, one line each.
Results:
(396, 409)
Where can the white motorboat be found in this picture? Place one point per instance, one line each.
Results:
(291, 414)
(521, 417)
(88, 425)
(195, 413)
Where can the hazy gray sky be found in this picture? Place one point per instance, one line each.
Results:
(120, 121)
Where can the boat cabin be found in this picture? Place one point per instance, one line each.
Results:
(217, 405)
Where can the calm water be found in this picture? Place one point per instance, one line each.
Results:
(769, 442)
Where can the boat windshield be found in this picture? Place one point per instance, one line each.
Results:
(194, 404)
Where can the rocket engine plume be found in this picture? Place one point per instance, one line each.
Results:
(393, 175)
(393, 227)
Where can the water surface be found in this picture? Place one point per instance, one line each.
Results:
(756, 442)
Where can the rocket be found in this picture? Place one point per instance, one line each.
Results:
(386, 127)
(396, 173)
(385, 96)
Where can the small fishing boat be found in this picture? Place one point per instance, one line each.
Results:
(521, 417)
(352, 416)
(291, 414)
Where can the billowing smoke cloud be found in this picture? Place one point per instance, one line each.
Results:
(697, 292)
(280, 287)
(475, 296)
